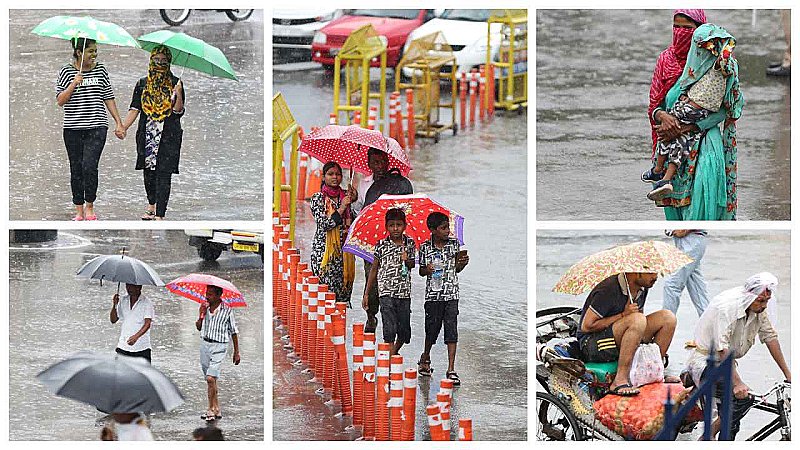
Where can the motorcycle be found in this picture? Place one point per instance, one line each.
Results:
(176, 17)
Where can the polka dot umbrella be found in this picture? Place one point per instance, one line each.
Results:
(193, 287)
(370, 225)
(348, 146)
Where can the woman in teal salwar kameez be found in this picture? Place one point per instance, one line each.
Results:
(705, 186)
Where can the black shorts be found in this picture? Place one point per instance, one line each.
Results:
(438, 313)
(141, 354)
(396, 318)
(600, 346)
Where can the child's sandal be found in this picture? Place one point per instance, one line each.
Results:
(454, 377)
(424, 368)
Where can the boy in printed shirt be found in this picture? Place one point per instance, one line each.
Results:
(440, 259)
(391, 269)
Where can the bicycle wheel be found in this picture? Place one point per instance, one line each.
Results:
(556, 322)
(238, 14)
(555, 421)
(175, 17)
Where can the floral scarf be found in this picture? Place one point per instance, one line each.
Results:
(157, 93)
(333, 237)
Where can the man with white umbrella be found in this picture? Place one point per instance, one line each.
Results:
(136, 313)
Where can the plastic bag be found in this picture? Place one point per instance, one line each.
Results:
(647, 366)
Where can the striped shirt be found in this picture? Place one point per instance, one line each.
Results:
(85, 107)
(219, 325)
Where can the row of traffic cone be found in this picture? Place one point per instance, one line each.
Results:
(382, 401)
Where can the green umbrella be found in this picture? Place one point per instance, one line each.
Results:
(69, 28)
(190, 52)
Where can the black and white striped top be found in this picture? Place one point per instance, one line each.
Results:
(85, 108)
(219, 325)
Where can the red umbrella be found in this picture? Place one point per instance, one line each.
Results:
(348, 146)
(193, 287)
(370, 225)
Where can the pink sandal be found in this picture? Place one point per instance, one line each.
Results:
(77, 218)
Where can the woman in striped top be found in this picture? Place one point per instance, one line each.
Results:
(84, 91)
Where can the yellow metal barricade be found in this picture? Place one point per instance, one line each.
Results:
(429, 61)
(284, 128)
(511, 69)
(359, 50)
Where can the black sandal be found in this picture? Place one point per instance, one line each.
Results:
(424, 368)
(452, 375)
(631, 390)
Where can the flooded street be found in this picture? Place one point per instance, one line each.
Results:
(222, 157)
(593, 135)
(54, 314)
(481, 174)
(731, 257)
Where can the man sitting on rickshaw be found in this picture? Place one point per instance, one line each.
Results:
(730, 324)
(613, 325)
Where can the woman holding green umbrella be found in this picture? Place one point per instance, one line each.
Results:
(84, 91)
(158, 101)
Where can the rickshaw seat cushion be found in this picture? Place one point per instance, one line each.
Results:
(602, 370)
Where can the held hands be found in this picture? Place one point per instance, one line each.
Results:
(78, 79)
(120, 132)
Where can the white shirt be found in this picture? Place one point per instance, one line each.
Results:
(132, 321)
(133, 431)
(363, 187)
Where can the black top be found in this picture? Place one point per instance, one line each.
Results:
(608, 299)
(393, 184)
(169, 149)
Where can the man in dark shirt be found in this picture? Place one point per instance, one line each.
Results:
(613, 325)
(384, 182)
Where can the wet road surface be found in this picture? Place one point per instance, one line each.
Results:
(482, 174)
(53, 314)
(222, 157)
(731, 257)
(593, 135)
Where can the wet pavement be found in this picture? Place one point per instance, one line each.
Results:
(222, 157)
(731, 257)
(593, 135)
(482, 174)
(53, 314)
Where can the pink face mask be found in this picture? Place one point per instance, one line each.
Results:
(681, 41)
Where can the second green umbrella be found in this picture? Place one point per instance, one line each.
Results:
(190, 52)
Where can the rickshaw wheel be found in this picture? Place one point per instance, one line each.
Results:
(555, 421)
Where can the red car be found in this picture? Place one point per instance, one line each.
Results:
(393, 25)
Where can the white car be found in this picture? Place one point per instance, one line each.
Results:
(465, 31)
(295, 28)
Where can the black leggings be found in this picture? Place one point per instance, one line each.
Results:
(157, 185)
(83, 149)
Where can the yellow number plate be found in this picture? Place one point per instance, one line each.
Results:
(245, 247)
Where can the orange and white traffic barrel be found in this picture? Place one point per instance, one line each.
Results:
(382, 386)
(435, 422)
(443, 400)
(369, 386)
(396, 398)
(412, 130)
(358, 374)
(464, 429)
(373, 117)
(409, 404)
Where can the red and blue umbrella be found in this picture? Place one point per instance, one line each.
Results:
(194, 285)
